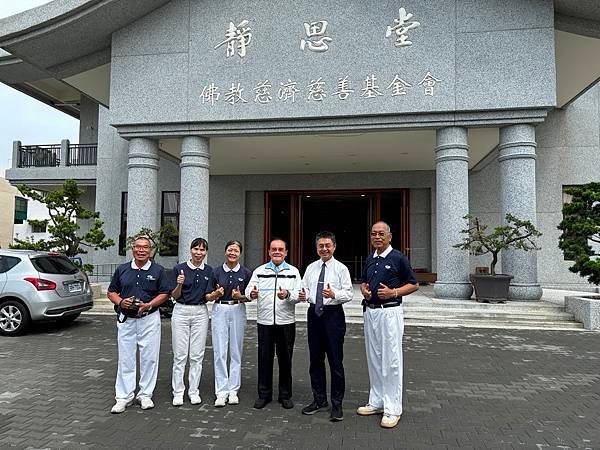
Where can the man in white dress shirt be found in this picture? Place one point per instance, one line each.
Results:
(326, 285)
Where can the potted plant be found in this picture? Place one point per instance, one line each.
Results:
(515, 234)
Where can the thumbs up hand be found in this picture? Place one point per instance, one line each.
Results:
(302, 295)
(328, 292)
(180, 277)
(236, 294)
(254, 293)
(219, 291)
(283, 293)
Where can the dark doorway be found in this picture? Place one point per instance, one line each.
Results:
(297, 216)
(347, 217)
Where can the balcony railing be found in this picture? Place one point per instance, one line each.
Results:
(39, 156)
(83, 155)
(54, 155)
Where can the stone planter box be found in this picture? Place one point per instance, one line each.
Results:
(586, 310)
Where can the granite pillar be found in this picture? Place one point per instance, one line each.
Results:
(193, 207)
(452, 204)
(516, 157)
(142, 185)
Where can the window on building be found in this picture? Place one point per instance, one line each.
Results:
(170, 214)
(39, 227)
(20, 210)
(123, 227)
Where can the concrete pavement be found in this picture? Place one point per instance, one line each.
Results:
(464, 388)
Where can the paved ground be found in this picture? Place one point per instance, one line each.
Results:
(463, 388)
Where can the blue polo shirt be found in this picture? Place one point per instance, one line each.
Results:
(193, 291)
(393, 270)
(238, 278)
(145, 283)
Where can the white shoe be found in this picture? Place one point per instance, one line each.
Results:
(389, 421)
(120, 406)
(233, 399)
(146, 402)
(368, 410)
(178, 400)
(220, 402)
(195, 399)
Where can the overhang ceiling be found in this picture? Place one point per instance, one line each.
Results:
(329, 153)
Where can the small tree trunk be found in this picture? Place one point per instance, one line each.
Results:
(493, 264)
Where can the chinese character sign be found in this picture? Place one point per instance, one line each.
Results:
(429, 82)
(316, 39)
(401, 27)
(237, 38)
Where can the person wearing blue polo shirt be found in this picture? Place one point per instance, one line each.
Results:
(189, 322)
(137, 289)
(228, 323)
(387, 276)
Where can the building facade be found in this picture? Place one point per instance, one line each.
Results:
(245, 120)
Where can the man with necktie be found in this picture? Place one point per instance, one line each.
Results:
(326, 285)
(387, 276)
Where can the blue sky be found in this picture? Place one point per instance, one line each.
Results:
(23, 118)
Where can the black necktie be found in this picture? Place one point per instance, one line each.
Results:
(319, 295)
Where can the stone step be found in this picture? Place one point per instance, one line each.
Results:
(422, 309)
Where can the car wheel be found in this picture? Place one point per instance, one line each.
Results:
(67, 320)
(14, 318)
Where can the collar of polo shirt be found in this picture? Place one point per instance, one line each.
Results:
(144, 267)
(235, 269)
(274, 268)
(193, 267)
(383, 253)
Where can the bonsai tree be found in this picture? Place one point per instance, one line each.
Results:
(65, 210)
(580, 229)
(516, 234)
(162, 240)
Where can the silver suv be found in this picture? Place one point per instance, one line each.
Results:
(40, 286)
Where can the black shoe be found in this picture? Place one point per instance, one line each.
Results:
(287, 403)
(315, 407)
(260, 403)
(337, 414)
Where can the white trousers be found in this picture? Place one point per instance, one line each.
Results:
(228, 326)
(384, 328)
(142, 333)
(189, 327)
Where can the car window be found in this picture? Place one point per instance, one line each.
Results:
(59, 265)
(8, 262)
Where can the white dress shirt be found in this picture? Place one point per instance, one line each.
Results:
(337, 276)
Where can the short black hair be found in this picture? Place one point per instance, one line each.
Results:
(325, 235)
(234, 242)
(199, 242)
(276, 238)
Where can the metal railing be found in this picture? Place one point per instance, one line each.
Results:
(102, 272)
(39, 155)
(83, 155)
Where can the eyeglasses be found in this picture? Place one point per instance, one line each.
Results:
(378, 233)
(141, 247)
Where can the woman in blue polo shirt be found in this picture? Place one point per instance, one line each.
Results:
(189, 322)
(228, 323)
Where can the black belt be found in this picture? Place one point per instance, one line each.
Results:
(228, 302)
(191, 304)
(366, 305)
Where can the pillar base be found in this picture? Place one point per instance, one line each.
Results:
(454, 290)
(523, 292)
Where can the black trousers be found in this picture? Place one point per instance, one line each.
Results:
(326, 338)
(271, 339)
